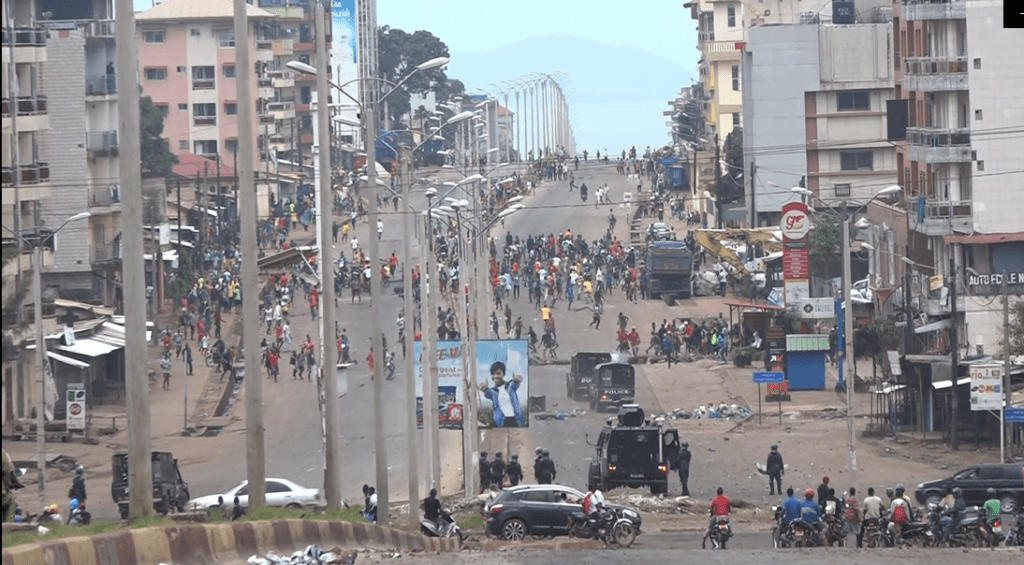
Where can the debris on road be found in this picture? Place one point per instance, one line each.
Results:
(574, 413)
(312, 555)
(714, 412)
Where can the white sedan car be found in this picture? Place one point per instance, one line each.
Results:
(280, 492)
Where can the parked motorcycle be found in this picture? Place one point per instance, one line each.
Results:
(912, 534)
(612, 528)
(992, 531)
(79, 515)
(804, 534)
(447, 528)
(835, 531)
(875, 533)
(968, 533)
(1016, 534)
(780, 533)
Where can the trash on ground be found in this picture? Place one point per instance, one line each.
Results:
(714, 412)
(312, 555)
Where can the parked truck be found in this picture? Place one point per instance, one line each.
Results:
(668, 266)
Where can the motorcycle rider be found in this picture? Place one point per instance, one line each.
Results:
(809, 511)
(78, 484)
(899, 515)
(952, 516)
(514, 470)
(719, 512)
(823, 491)
(872, 512)
(593, 506)
(434, 512)
(790, 507)
(851, 513)
(992, 506)
(775, 469)
(683, 463)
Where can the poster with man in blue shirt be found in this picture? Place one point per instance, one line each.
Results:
(503, 399)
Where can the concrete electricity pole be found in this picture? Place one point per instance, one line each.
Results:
(140, 466)
(325, 206)
(254, 429)
(410, 327)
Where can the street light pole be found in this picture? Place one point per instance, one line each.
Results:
(410, 328)
(37, 280)
(848, 358)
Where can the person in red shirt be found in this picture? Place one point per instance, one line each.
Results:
(272, 359)
(312, 303)
(720, 507)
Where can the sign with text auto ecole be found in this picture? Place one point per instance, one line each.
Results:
(986, 386)
(796, 268)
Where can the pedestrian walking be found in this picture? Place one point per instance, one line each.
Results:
(514, 470)
(186, 354)
(776, 469)
(165, 368)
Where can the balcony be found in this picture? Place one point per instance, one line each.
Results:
(29, 45)
(935, 74)
(204, 120)
(719, 50)
(281, 79)
(915, 10)
(265, 88)
(105, 196)
(102, 253)
(939, 145)
(101, 143)
(34, 173)
(204, 83)
(32, 113)
(281, 110)
(7, 177)
(100, 85)
(935, 218)
(705, 36)
(283, 47)
(264, 50)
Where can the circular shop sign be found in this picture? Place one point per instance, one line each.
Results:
(75, 408)
(795, 224)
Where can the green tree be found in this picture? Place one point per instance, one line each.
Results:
(825, 241)
(398, 53)
(730, 186)
(156, 155)
(1016, 330)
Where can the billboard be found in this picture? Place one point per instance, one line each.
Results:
(343, 18)
(503, 387)
(795, 225)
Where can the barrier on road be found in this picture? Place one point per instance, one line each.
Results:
(199, 544)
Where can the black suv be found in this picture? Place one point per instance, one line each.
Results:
(1008, 480)
(541, 510)
(170, 491)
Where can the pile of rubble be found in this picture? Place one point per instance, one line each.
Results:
(658, 504)
(312, 555)
(713, 411)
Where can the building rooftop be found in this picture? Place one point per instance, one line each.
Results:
(191, 165)
(197, 10)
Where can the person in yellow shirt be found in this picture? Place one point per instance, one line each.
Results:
(545, 312)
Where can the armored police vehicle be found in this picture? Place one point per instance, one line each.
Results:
(582, 369)
(614, 384)
(633, 452)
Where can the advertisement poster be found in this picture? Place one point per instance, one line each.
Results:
(343, 16)
(987, 387)
(796, 271)
(503, 387)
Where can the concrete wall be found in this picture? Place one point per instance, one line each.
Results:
(199, 544)
(996, 82)
(780, 64)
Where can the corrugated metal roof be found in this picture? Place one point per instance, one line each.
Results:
(67, 360)
(90, 347)
(198, 10)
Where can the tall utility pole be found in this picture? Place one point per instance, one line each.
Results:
(849, 362)
(429, 367)
(718, 179)
(368, 74)
(140, 466)
(410, 327)
(954, 339)
(254, 429)
(1007, 398)
(325, 207)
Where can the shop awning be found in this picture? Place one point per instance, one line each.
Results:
(932, 327)
(889, 388)
(67, 360)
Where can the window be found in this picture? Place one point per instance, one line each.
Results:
(181, 68)
(856, 161)
(194, 32)
(736, 121)
(229, 70)
(162, 108)
(978, 114)
(183, 145)
(156, 36)
(226, 37)
(230, 109)
(231, 145)
(735, 77)
(156, 73)
(205, 147)
(183, 106)
(204, 114)
(536, 496)
(274, 486)
(853, 100)
(843, 189)
(981, 165)
(203, 78)
(731, 15)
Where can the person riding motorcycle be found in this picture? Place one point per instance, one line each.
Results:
(992, 506)
(434, 512)
(809, 511)
(593, 507)
(952, 516)
(790, 507)
(719, 511)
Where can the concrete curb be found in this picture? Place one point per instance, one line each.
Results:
(201, 544)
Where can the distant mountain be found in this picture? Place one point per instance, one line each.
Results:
(598, 71)
(616, 94)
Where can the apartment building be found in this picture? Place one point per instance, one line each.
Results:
(961, 164)
(815, 112)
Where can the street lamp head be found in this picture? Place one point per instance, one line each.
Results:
(867, 246)
(432, 64)
(908, 261)
(78, 216)
(346, 121)
(470, 179)
(460, 117)
(889, 190)
(515, 199)
(463, 203)
(430, 192)
(802, 190)
(301, 67)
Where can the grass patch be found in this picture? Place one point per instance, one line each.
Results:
(351, 514)
(471, 521)
(58, 531)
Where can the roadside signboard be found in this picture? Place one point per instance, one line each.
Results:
(1015, 414)
(765, 377)
(987, 386)
(76, 406)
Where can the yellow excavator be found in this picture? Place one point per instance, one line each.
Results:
(715, 241)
